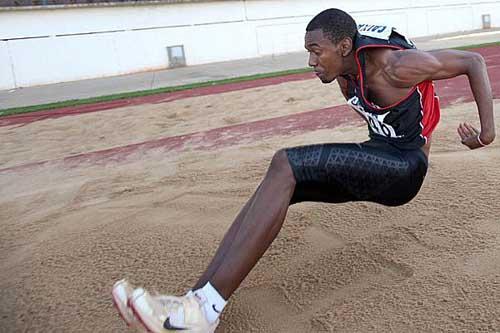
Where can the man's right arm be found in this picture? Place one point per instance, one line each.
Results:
(410, 67)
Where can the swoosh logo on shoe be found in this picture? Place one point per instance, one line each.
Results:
(167, 325)
(213, 307)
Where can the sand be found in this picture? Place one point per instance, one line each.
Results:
(156, 217)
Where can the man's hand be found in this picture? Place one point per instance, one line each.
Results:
(470, 136)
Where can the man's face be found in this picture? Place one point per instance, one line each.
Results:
(324, 56)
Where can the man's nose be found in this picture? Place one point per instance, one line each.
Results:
(313, 60)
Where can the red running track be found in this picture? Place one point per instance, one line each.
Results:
(31, 117)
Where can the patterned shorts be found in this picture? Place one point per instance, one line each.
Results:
(370, 171)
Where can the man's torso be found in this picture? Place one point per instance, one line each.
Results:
(404, 117)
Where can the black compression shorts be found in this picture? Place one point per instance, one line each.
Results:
(370, 171)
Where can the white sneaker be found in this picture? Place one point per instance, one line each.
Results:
(159, 314)
(122, 291)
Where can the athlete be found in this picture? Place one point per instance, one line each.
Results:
(387, 81)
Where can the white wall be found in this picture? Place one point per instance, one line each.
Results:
(42, 46)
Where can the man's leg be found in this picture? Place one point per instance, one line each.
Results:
(225, 244)
(325, 173)
(253, 230)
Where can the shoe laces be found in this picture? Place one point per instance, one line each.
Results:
(172, 304)
(169, 303)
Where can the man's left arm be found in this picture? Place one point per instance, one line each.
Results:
(408, 68)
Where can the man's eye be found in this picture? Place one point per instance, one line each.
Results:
(316, 53)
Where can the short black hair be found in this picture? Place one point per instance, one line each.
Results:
(335, 23)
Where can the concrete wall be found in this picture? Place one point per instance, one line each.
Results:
(47, 45)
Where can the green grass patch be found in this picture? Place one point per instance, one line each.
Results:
(107, 98)
(476, 46)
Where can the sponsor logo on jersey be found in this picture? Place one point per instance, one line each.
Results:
(372, 28)
(375, 121)
(375, 31)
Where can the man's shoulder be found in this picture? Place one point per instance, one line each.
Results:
(381, 56)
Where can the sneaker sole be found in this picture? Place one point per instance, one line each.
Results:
(122, 306)
(138, 315)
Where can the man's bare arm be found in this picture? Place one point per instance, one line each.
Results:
(410, 67)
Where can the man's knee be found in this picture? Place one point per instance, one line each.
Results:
(280, 167)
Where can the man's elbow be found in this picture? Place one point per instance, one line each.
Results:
(476, 61)
(487, 138)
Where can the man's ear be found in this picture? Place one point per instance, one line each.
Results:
(345, 46)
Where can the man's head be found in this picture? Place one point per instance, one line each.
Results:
(329, 39)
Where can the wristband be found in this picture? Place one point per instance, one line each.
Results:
(480, 142)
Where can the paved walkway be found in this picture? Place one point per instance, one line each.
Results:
(200, 73)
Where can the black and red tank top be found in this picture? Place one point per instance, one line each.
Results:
(406, 124)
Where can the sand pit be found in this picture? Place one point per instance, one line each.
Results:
(156, 217)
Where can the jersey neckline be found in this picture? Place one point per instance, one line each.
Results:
(361, 79)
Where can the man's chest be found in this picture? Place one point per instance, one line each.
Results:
(379, 92)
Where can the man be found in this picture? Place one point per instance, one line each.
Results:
(386, 80)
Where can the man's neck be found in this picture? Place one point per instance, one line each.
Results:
(350, 65)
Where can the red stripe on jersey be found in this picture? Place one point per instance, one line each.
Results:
(430, 108)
